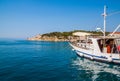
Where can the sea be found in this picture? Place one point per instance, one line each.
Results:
(23, 60)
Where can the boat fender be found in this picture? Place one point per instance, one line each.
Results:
(81, 54)
(91, 58)
(110, 59)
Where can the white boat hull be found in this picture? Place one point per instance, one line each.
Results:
(89, 54)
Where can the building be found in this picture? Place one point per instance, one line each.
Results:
(80, 35)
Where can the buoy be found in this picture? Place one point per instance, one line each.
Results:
(81, 54)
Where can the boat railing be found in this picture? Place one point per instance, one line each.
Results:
(83, 45)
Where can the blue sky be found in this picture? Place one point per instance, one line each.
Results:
(26, 18)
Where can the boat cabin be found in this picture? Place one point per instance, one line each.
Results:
(109, 45)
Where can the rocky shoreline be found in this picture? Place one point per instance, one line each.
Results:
(47, 38)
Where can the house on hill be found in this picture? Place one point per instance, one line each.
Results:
(79, 36)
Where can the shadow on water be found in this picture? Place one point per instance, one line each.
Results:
(96, 71)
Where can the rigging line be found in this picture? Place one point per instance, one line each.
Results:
(97, 23)
(114, 13)
(115, 29)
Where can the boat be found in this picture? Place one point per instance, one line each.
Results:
(99, 48)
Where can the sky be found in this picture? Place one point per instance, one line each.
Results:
(26, 18)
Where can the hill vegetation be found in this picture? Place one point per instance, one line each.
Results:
(60, 36)
(66, 34)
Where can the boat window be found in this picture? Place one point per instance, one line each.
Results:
(100, 43)
(89, 41)
(118, 41)
(111, 45)
(117, 45)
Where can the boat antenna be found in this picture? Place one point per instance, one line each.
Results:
(104, 15)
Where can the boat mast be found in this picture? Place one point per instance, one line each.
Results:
(104, 15)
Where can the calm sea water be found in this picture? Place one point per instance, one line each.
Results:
(22, 60)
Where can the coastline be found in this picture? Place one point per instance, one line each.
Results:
(66, 36)
(48, 38)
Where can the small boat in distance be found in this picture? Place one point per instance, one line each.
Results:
(99, 48)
